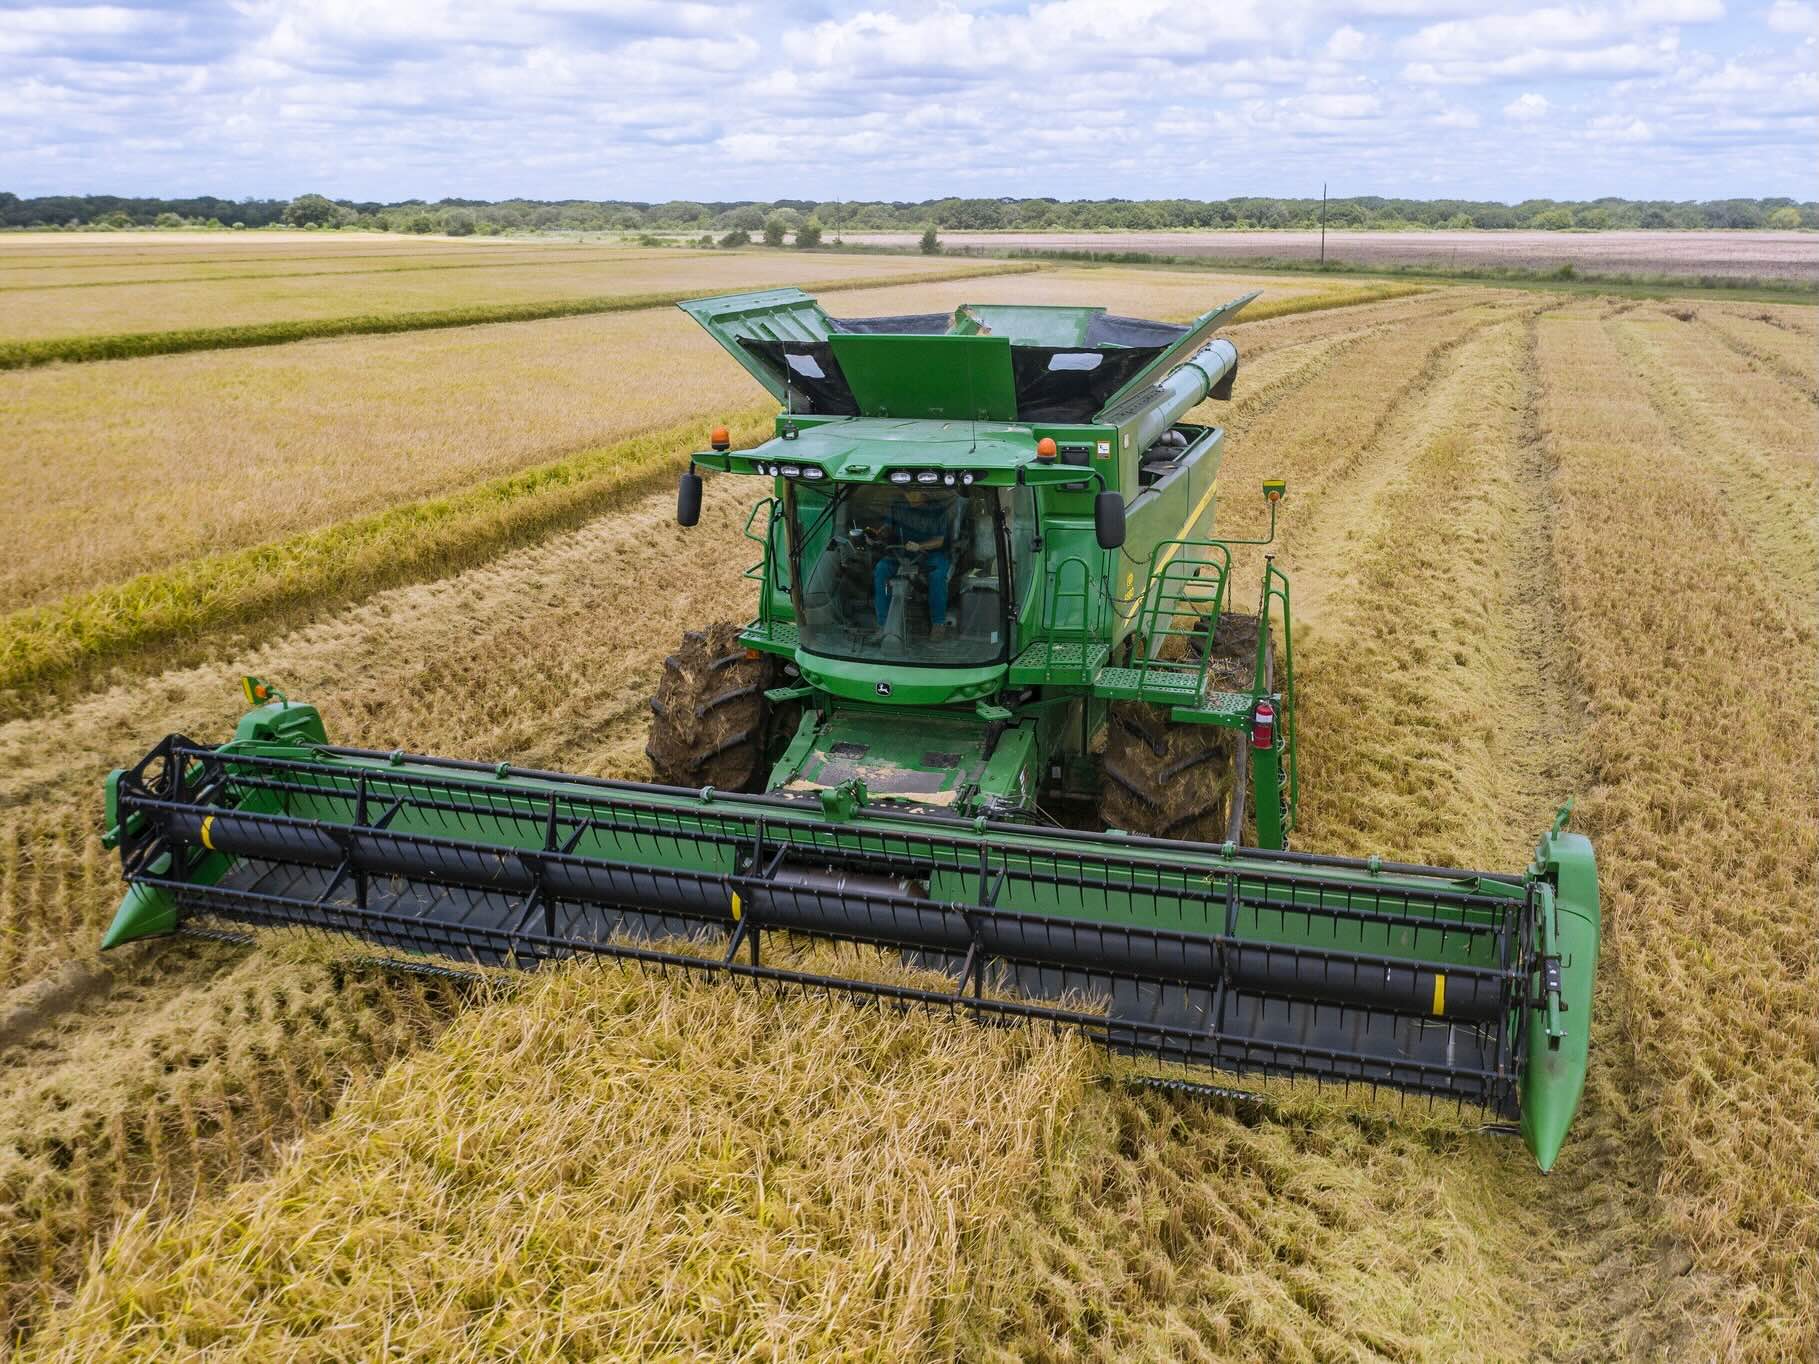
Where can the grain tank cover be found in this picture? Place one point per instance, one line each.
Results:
(965, 378)
(1002, 362)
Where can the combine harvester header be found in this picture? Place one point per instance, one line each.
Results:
(996, 713)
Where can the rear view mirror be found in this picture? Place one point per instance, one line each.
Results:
(1108, 519)
(688, 499)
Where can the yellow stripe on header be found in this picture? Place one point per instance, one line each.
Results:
(206, 842)
(736, 906)
(1439, 993)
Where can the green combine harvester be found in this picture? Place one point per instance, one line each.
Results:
(999, 714)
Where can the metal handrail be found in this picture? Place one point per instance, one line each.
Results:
(1054, 594)
(761, 572)
(1275, 589)
(1180, 569)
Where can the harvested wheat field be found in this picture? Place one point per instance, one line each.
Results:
(1540, 548)
(1791, 256)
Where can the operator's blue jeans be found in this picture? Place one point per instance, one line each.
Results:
(936, 562)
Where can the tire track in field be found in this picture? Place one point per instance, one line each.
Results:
(1622, 1279)
(1400, 570)
(1702, 739)
(1314, 357)
(1320, 458)
(1272, 333)
(1743, 336)
(1444, 720)
(1763, 457)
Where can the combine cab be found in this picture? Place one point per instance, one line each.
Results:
(998, 712)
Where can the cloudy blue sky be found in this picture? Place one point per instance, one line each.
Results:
(385, 99)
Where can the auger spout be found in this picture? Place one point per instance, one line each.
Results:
(1209, 373)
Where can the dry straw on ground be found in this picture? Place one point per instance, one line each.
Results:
(1699, 677)
(617, 1166)
(176, 1073)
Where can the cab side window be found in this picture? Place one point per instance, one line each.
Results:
(1023, 530)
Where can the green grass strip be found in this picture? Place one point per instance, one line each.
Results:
(132, 345)
(172, 610)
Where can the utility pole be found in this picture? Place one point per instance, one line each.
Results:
(1323, 224)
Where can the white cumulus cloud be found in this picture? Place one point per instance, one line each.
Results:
(1526, 108)
(1792, 16)
(907, 99)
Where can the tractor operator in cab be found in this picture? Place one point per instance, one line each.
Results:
(918, 520)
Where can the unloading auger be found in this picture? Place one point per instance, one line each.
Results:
(997, 713)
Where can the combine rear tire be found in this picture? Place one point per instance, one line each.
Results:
(710, 722)
(1166, 780)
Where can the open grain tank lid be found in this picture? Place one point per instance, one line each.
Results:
(1002, 362)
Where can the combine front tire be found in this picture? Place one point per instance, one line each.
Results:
(1164, 780)
(710, 722)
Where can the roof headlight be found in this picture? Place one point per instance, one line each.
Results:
(928, 476)
(949, 479)
(967, 479)
(792, 471)
(812, 472)
(900, 475)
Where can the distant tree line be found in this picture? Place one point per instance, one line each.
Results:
(733, 223)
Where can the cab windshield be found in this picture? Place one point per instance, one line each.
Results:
(898, 574)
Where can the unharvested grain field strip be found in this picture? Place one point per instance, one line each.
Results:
(1461, 524)
(89, 347)
(34, 277)
(38, 315)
